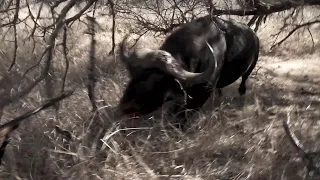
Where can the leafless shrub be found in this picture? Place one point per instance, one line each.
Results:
(47, 42)
(161, 17)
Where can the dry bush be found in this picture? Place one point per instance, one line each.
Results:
(240, 138)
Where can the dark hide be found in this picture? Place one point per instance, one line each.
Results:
(236, 50)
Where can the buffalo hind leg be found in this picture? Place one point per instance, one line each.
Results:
(242, 87)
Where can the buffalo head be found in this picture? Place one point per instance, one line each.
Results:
(156, 76)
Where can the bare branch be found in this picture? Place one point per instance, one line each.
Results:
(258, 23)
(92, 74)
(113, 13)
(262, 8)
(163, 20)
(14, 22)
(57, 3)
(10, 126)
(49, 53)
(63, 132)
(7, 127)
(34, 19)
(252, 20)
(80, 13)
(65, 54)
(176, 5)
(294, 30)
(312, 39)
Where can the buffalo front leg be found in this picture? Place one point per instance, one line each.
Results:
(197, 96)
(201, 92)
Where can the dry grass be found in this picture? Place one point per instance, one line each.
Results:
(241, 138)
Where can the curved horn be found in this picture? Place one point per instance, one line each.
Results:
(164, 61)
(175, 69)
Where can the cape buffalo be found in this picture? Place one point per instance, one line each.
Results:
(204, 53)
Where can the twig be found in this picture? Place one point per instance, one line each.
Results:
(14, 22)
(113, 13)
(10, 126)
(65, 54)
(312, 49)
(80, 13)
(63, 132)
(263, 8)
(258, 23)
(293, 30)
(57, 3)
(37, 64)
(252, 20)
(181, 12)
(49, 50)
(34, 19)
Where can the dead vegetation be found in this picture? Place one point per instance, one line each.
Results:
(80, 138)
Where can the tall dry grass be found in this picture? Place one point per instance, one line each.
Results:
(237, 138)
